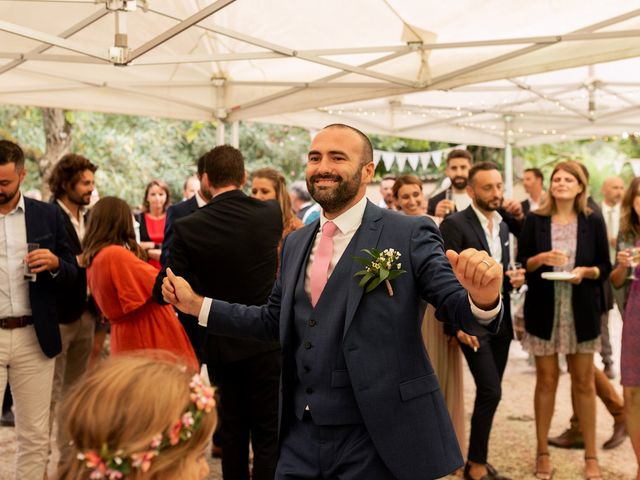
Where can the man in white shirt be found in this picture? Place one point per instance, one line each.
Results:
(71, 183)
(355, 376)
(29, 334)
(533, 183)
(386, 193)
(612, 192)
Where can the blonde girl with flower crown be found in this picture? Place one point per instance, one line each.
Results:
(139, 418)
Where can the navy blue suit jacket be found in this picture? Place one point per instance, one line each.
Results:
(45, 225)
(392, 378)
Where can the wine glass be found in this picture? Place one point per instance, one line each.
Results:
(566, 253)
(448, 195)
(634, 257)
(514, 271)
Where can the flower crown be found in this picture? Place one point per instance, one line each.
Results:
(108, 465)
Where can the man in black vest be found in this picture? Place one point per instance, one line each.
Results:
(71, 184)
(480, 226)
(228, 248)
(359, 397)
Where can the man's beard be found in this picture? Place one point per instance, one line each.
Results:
(7, 197)
(332, 199)
(491, 206)
(459, 183)
(80, 200)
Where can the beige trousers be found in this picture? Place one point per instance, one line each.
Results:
(30, 374)
(71, 363)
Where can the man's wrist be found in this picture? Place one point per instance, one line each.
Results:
(485, 305)
(195, 305)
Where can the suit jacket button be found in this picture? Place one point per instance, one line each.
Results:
(307, 345)
(312, 323)
(309, 390)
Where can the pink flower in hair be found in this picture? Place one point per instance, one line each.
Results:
(174, 433)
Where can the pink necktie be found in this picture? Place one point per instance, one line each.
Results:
(321, 260)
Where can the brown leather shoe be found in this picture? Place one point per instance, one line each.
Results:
(619, 435)
(570, 438)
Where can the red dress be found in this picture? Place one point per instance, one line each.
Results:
(155, 229)
(121, 285)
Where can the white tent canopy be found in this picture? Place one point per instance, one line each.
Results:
(569, 104)
(248, 59)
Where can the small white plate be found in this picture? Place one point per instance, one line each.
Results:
(561, 276)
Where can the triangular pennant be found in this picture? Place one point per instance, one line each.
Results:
(424, 160)
(437, 157)
(414, 161)
(388, 158)
(402, 160)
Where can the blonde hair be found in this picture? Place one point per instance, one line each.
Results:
(119, 405)
(548, 206)
(282, 195)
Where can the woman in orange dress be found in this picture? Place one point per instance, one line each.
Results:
(152, 220)
(121, 282)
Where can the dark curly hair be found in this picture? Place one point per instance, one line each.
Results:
(67, 172)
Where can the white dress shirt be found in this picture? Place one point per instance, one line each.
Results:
(78, 223)
(492, 236)
(347, 223)
(14, 294)
(612, 220)
(461, 200)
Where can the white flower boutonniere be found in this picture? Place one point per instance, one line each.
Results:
(383, 266)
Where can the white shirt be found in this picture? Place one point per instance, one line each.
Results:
(492, 236)
(462, 200)
(14, 294)
(612, 219)
(78, 224)
(347, 223)
(533, 205)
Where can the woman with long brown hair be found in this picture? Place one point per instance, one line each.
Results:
(269, 184)
(121, 283)
(627, 258)
(564, 241)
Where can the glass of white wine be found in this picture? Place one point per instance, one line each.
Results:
(634, 257)
(514, 271)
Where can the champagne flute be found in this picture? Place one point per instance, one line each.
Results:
(567, 254)
(630, 248)
(448, 195)
(514, 273)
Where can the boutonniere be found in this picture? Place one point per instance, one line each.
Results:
(383, 266)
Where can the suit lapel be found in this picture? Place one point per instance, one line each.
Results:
(367, 236)
(477, 228)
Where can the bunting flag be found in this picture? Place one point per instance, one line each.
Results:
(413, 159)
(388, 158)
(437, 157)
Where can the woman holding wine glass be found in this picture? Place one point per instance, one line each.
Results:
(626, 258)
(563, 317)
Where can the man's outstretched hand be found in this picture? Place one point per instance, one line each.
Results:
(479, 274)
(177, 291)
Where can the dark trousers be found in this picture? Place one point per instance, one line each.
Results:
(487, 367)
(249, 399)
(340, 452)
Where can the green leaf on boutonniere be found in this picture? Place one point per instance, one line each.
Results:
(381, 267)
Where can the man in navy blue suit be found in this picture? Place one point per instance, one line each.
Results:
(359, 398)
(29, 334)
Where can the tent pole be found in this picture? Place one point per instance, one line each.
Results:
(235, 134)
(220, 133)
(508, 156)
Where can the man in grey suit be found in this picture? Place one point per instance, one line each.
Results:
(359, 398)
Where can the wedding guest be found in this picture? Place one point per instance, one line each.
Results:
(444, 353)
(630, 357)
(190, 187)
(138, 433)
(480, 226)
(533, 184)
(269, 184)
(152, 220)
(29, 333)
(121, 282)
(387, 198)
(563, 317)
(305, 209)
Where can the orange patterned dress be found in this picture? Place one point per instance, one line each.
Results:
(121, 285)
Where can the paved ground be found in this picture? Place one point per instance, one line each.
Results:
(513, 439)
